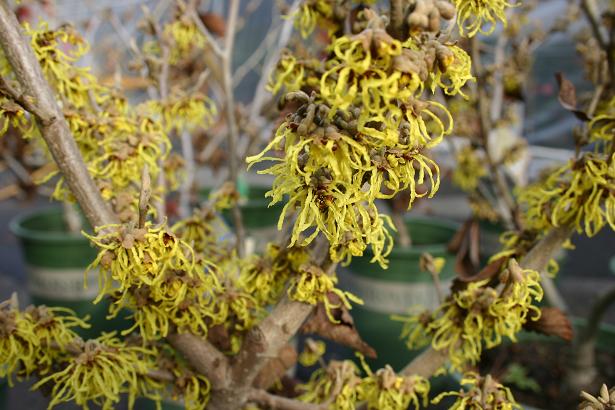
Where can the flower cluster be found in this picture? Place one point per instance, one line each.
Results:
(469, 169)
(364, 124)
(341, 385)
(117, 140)
(179, 112)
(313, 285)
(387, 390)
(104, 369)
(32, 340)
(578, 194)
(479, 315)
(472, 15)
(482, 393)
(264, 277)
(157, 275)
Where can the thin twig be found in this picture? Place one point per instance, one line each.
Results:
(590, 10)
(505, 201)
(210, 38)
(185, 190)
(144, 195)
(396, 18)
(227, 68)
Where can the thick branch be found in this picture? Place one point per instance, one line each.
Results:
(274, 402)
(54, 128)
(204, 357)
(427, 363)
(265, 340)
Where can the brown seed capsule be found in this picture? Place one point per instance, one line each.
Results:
(417, 21)
(446, 9)
(444, 57)
(434, 20)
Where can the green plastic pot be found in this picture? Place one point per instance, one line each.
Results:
(489, 242)
(147, 404)
(397, 289)
(56, 260)
(3, 394)
(259, 219)
(255, 210)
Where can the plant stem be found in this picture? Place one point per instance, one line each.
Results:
(274, 402)
(405, 240)
(185, 190)
(582, 370)
(505, 201)
(396, 17)
(227, 68)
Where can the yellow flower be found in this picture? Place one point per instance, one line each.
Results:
(104, 370)
(288, 74)
(312, 13)
(481, 393)
(337, 384)
(469, 169)
(312, 352)
(478, 315)
(184, 37)
(313, 285)
(184, 112)
(473, 15)
(157, 274)
(386, 390)
(578, 194)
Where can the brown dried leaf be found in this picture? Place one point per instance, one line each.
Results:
(567, 92)
(568, 97)
(552, 322)
(214, 23)
(487, 272)
(276, 367)
(344, 332)
(465, 245)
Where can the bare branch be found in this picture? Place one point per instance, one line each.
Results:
(274, 402)
(210, 38)
(227, 60)
(204, 357)
(590, 10)
(144, 195)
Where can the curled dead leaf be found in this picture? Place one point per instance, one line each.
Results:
(344, 332)
(568, 97)
(552, 322)
(214, 23)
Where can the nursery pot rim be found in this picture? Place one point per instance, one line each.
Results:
(418, 249)
(16, 225)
